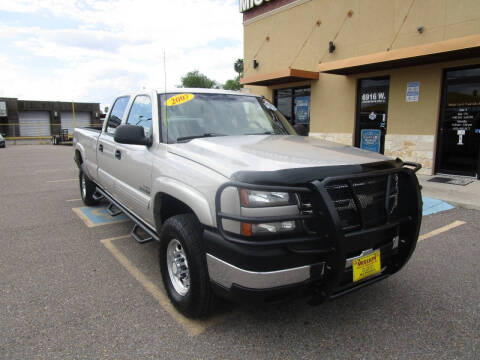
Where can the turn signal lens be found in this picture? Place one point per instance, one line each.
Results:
(267, 228)
(246, 229)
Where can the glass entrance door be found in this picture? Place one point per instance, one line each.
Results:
(372, 110)
(459, 125)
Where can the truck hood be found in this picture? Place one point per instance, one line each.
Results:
(230, 154)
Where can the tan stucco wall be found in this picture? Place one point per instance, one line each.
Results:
(295, 40)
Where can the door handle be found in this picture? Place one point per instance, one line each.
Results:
(118, 154)
(100, 148)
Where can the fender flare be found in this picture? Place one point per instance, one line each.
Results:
(191, 197)
(79, 147)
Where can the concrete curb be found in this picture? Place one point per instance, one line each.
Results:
(467, 196)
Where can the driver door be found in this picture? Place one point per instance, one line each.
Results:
(134, 182)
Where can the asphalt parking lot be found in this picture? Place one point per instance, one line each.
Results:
(73, 291)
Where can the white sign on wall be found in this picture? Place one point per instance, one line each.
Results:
(413, 91)
(3, 108)
(246, 5)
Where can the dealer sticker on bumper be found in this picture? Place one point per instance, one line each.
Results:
(366, 266)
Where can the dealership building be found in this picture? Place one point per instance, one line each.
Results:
(400, 77)
(23, 120)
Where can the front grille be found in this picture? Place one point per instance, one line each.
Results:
(362, 202)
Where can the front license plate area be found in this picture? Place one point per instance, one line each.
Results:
(366, 266)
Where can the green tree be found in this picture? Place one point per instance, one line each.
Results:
(238, 67)
(234, 84)
(195, 79)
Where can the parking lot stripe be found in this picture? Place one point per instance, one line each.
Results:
(61, 180)
(441, 230)
(192, 327)
(74, 200)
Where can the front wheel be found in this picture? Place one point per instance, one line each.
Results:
(183, 266)
(87, 189)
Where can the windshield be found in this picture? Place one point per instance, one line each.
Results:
(187, 116)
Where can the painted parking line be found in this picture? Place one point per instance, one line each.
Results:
(72, 200)
(441, 230)
(94, 216)
(433, 206)
(61, 180)
(191, 326)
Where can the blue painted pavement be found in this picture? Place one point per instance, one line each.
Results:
(98, 215)
(432, 206)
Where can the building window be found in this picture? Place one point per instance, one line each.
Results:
(294, 104)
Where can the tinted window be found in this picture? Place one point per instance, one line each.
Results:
(116, 115)
(141, 113)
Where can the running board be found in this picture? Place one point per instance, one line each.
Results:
(137, 237)
(138, 222)
(113, 210)
(97, 196)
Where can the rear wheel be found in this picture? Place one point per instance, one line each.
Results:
(183, 266)
(87, 189)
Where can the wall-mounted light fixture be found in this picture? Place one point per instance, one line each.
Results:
(331, 47)
(420, 29)
(255, 64)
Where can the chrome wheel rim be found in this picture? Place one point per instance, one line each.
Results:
(177, 265)
(84, 187)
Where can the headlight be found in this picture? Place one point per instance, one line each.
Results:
(256, 198)
(264, 199)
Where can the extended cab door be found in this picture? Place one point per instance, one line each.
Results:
(106, 147)
(134, 166)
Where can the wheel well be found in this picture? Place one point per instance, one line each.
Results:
(167, 206)
(78, 158)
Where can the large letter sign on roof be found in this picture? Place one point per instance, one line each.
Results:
(246, 5)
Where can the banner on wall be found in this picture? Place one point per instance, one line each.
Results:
(302, 110)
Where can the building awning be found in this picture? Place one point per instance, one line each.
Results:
(446, 50)
(280, 77)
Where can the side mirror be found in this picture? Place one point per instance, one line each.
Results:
(131, 134)
(301, 129)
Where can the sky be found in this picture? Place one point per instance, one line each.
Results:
(95, 50)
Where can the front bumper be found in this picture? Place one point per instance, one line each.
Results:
(322, 261)
(227, 275)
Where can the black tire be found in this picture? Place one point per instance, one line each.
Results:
(90, 187)
(199, 300)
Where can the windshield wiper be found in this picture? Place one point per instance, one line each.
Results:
(263, 133)
(184, 138)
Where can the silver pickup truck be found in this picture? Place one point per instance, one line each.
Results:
(242, 206)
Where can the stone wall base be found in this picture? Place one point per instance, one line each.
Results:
(342, 138)
(416, 148)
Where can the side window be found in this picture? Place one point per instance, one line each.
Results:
(116, 114)
(141, 113)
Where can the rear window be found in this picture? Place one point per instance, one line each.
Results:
(116, 115)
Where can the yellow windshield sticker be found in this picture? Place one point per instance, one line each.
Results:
(179, 99)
